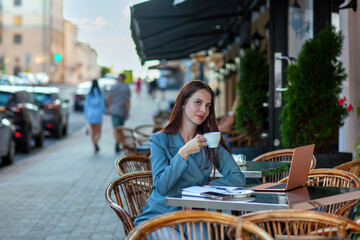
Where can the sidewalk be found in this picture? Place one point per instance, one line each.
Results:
(59, 193)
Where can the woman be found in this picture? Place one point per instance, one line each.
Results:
(180, 157)
(93, 109)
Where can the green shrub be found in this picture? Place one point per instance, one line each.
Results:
(253, 85)
(311, 113)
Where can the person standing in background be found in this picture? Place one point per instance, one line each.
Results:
(138, 86)
(162, 85)
(152, 88)
(119, 106)
(93, 110)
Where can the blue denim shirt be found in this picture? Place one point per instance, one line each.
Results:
(171, 173)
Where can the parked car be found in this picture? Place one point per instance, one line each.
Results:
(23, 80)
(56, 109)
(43, 78)
(7, 139)
(8, 80)
(21, 110)
(105, 85)
(28, 79)
(79, 95)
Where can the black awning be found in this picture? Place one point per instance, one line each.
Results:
(164, 66)
(161, 30)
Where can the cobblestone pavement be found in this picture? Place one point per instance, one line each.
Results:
(59, 192)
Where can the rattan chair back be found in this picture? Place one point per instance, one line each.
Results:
(131, 145)
(201, 224)
(300, 224)
(127, 196)
(132, 163)
(351, 166)
(326, 177)
(283, 155)
(145, 130)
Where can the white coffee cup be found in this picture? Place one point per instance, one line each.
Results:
(212, 139)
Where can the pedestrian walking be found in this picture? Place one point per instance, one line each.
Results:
(152, 88)
(138, 86)
(118, 107)
(93, 110)
(162, 85)
(180, 156)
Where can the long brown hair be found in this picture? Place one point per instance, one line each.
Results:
(176, 118)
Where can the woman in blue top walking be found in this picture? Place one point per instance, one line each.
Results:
(93, 110)
(180, 157)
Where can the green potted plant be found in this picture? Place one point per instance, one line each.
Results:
(253, 86)
(311, 113)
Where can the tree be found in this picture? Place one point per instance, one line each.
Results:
(105, 70)
(311, 113)
(253, 85)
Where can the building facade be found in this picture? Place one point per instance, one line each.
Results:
(33, 32)
(80, 60)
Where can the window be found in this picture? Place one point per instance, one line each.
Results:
(17, 38)
(17, 2)
(17, 20)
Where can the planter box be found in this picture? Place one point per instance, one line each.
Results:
(332, 160)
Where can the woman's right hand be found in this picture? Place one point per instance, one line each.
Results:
(193, 146)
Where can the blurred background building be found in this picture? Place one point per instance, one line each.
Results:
(33, 32)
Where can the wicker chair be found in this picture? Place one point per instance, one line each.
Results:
(237, 138)
(214, 224)
(131, 145)
(162, 120)
(283, 155)
(333, 178)
(127, 196)
(352, 166)
(143, 132)
(357, 220)
(299, 224)
(132, 163)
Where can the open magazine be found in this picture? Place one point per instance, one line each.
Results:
(196, 191)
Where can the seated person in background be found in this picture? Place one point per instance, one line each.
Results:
(226, 124)
(231, 136)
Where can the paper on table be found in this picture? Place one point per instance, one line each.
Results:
(234, 191)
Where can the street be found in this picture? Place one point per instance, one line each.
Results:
(76, 123)
(58, 192)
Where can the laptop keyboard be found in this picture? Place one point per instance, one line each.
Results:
(278, 186)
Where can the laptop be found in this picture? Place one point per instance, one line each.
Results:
(299, 171)
(298, 197)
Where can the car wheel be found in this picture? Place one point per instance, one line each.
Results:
(65, 130)
(39, 140)
(9, 158)
(26, 142)
(59, 131)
